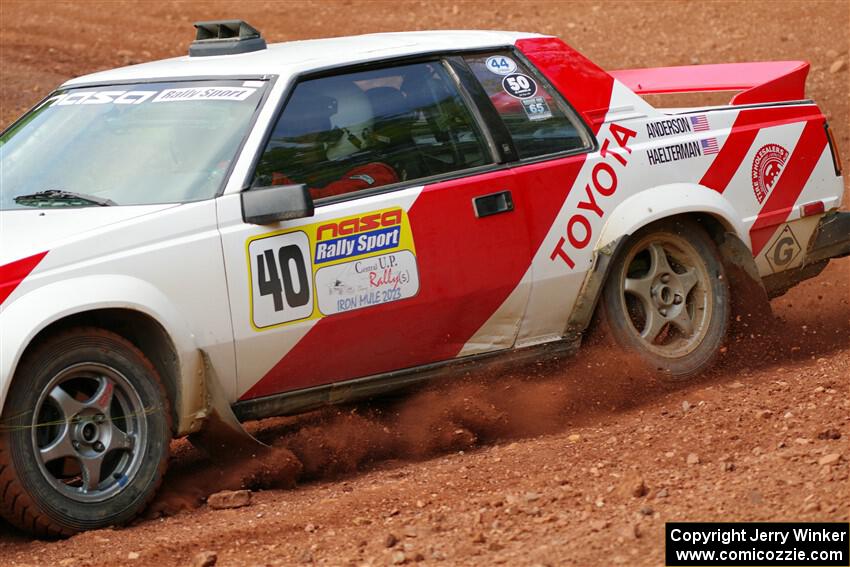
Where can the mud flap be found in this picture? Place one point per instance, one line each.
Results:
(591, 290)
(750, 302)
(222, 435)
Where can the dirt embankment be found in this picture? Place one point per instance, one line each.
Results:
(569, 462)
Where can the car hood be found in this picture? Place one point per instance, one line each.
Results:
(25, 232)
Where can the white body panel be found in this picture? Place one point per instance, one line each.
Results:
(163, 261)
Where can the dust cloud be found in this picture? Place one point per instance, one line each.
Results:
(447, 415)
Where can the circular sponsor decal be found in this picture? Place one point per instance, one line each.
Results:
(767, 166)
(500, 65)
(519, 85)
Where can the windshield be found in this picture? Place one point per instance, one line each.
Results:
(139, 144)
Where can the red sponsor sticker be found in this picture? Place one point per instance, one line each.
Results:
(767, 167)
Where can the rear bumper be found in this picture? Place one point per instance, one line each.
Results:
(831, 240)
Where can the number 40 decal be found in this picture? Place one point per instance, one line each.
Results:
(281, 286)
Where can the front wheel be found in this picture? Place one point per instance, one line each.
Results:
(84, 436)
(667, 298)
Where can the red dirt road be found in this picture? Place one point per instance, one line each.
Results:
(576, 462)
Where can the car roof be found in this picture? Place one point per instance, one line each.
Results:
(293, 57)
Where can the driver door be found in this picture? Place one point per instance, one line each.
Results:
(417, 237)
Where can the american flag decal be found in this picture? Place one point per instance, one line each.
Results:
(709, 146)
(700, 123)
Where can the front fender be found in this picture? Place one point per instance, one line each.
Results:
(665, 201)
(22, 319)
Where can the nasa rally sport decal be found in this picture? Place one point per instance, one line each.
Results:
(519, 86)
(123, 97)
(767, 166)
(331, 267)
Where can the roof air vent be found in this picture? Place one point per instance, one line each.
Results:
(225, 37)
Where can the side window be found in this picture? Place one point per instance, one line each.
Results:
(538, 120)
(362, 130)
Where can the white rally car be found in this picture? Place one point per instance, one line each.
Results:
(312, 222)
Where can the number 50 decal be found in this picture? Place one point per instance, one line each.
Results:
(519, 85)
(281, 279)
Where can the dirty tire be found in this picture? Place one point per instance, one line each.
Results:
(85, 435)
(667, 298)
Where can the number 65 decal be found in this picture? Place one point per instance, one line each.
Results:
(281, 279)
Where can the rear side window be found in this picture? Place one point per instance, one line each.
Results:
(538, 120)
(358, 131)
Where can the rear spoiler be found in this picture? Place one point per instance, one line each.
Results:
(773, 81)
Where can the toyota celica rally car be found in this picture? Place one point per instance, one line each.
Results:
(312, 222)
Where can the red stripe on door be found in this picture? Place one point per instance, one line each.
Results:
(744, 131)
(12, 274)
(781, 200)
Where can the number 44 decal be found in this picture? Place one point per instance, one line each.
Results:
(501, 65)
(281, 282)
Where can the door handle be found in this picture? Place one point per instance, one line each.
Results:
(493, 204)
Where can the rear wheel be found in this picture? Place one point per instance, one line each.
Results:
(84, 438)
(667, 298)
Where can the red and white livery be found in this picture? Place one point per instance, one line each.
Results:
(304, 223)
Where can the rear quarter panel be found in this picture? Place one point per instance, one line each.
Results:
(652, 164)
